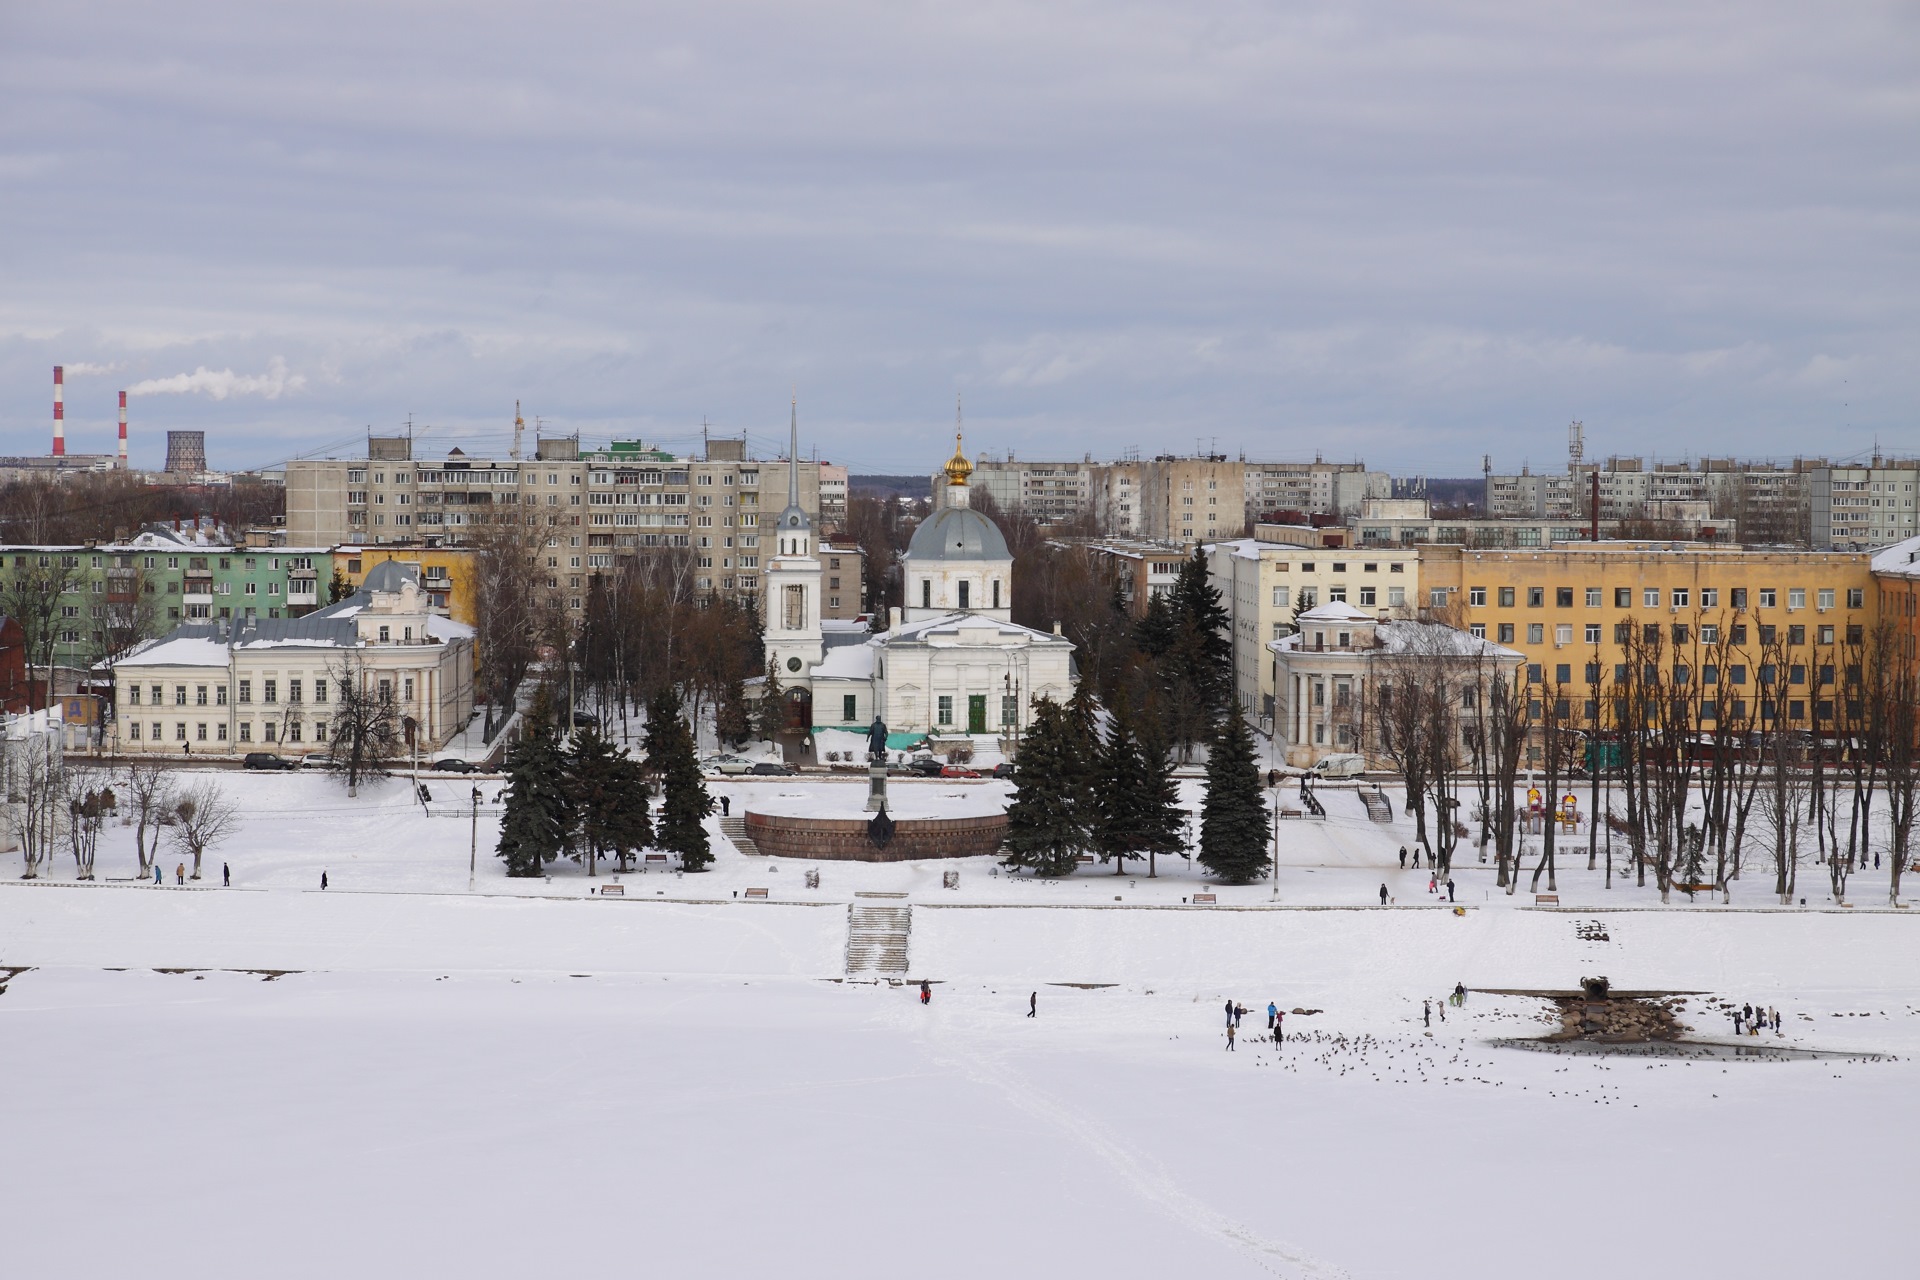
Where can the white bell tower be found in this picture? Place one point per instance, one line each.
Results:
(792, 621)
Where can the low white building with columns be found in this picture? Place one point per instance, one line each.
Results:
(1323, 673)
(269, 684)
(952, 662)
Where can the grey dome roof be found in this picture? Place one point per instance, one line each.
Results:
(957, 533)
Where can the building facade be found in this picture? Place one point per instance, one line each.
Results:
(1859, 508)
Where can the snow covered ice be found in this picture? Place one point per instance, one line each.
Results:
(435, 1081)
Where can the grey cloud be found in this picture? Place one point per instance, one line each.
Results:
(1419, 231)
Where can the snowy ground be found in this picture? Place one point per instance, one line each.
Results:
(515, 1077)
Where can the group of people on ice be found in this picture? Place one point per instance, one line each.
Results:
(1276, 1022)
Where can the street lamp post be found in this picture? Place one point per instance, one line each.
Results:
(473, 841)
(1273, 802)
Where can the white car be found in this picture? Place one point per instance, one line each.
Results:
(726, 764)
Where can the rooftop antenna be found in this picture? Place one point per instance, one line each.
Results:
(1576, 444)
(519, 425)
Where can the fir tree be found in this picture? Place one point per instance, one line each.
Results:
(610, 797)
(671, 757)
(539, 818)
(1156, 631)
(1121, 789)
(1233, 822)
(1205, 647)
(731, 723)
(1163, 823)
(773, 705)
(1047, 823)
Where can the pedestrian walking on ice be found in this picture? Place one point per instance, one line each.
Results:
(1403, 857)
(156, 873)
(1383, 895)
(726, 806)
(323, 880)
(180, 874)
(1426, 1012)
(226, 877)
(1229, 1013)
(1229, 1037)
(1273, 1011)
(1433, 884)
(1033, 1005)
(926, 993)
(1736, 1022)
(1416, 857)
(1280, 1028)
(1449, 888)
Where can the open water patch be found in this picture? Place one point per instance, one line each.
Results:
(1704, 1049)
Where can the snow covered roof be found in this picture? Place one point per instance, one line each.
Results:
(948, 624)
(847, 662)
(192, 646)
(1413, 638)
(1335, 611)
(1901, 560)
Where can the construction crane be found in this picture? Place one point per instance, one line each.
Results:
(519, 425)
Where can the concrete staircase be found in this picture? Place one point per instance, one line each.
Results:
(877, 940)
(1378, 807)
(735, 829)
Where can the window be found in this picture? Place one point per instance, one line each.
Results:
(1563, 672)
(1396, 596)
(1280, 597)
(1768, 597)
(926, 593)
(1739, 597)
(319, 689)
(1506, 597)
(1477, 597)
(200, 695)
(1796, 597)
(133, 694)
(220, 695)
(270, 691)
(1650, 597)
(293, 732)
(848, 710)
(966, 592)
(1593, 597)
(1368, 596)
(1826, 635)
(946, 708)
(386, 633)
(1536, 597)
(1737, 634)
(1533, 673)
(1737, 673)
(1563, 633)
(267, 732)
(1768, 633)
(1681, 597)
(1709, 633)
(1680, 633)
(246, 691)
(293, 691)
(1709, 597)
(200, 733)
(179, 695)
(1536, 633)
(1856, 597)
(1825, 598)
(1309, 596)
(1437, 597)
(1623, 597)
(1336, 593)
(246, 731)
(1478, 631)
(1506, 633)
(1563, 597)
(1797, 634)
(179, 733)
(1593, 633)
(1593, 673)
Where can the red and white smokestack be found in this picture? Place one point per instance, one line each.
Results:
(123, 431)
(59, 412)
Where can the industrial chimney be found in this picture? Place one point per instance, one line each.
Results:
(59, 411)
(123, 431)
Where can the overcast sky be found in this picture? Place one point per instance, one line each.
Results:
(1413, 233)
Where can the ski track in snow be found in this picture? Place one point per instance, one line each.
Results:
(1142, 1174)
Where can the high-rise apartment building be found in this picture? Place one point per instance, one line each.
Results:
(1866, 506)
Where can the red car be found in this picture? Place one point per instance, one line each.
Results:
(958, 771)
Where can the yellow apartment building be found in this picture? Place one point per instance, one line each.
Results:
(446, 573)
(1574, 608)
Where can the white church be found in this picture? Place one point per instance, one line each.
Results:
(951, 663)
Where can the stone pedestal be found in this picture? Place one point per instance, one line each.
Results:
(876, 784)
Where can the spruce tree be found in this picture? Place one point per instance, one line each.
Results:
(539, 818)
(670, 755)
(610, 797)
(1205, 646)
(1163, 822)
(773, 705)
(1121, 789)
(1047, 823)
(1156, 631)
(1233, 821)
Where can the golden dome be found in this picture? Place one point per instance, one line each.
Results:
(958, 468)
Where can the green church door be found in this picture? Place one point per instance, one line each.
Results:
(977, 713)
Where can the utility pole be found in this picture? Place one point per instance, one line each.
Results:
(473, 841)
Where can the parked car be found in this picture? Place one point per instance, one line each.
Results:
(585, 720)
(1345, 765)
(266, 760)
(925, 766)
(772, 769)
(319, 760)
(454, 764)
(726, 764)
(959, 771)
(1001, 770)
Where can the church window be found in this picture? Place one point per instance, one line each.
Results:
(1009, 709)
(946, 708)
(965, 593)
(793, 664)
(996, 593)
(847, 711)
(796, 612)
(926, 593)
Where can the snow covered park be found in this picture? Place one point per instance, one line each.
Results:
(417, 1073)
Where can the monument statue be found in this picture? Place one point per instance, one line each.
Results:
(877, 739)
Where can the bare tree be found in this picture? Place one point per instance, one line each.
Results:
(1783, 804)
(504, 591)
(35, 800)
(366, 723)
(202, 819)
(1902, 748)
(89, 801)
(149, 789)
(30, 593)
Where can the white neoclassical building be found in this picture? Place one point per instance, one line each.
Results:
(952, 662)
(1324, 670)
(270, 684)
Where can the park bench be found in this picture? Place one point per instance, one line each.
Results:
(1202, 899)
(1287, 811)
(1546, 899)
(1086, 859)
(613, 891)
(652, 858)
(756, 893)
